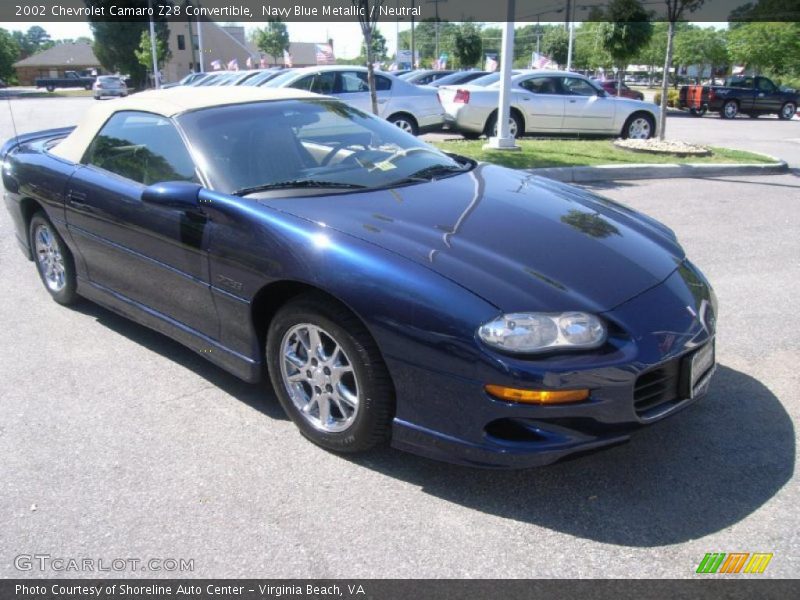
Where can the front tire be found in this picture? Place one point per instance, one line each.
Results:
(639, 127)
(787, 111)
(329, 375)
(729, 110)
(53, 260)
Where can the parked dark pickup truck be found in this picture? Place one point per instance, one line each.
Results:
(71, 79)
(752, 96)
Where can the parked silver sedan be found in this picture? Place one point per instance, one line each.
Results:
(548, 102)
(109, 85)
(414, 109)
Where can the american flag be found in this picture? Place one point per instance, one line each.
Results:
(540, 61)
(324, 54)
(233, 65)
(216, 65)
(263, 63)
(491, 63)
(287, 59)
(249, 62)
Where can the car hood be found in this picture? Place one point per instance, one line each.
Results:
(518, 241)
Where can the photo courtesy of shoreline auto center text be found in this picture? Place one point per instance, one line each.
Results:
(390, 299)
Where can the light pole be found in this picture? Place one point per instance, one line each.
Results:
(503, 140)
(156, 78)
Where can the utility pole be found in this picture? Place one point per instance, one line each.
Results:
(413, 48)
(502, 139)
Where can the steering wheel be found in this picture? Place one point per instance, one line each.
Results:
(336, 149)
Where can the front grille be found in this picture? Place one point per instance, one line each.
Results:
(657, 388)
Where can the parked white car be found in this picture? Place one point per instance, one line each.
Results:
(415, 109)
(109, 85)
(548, 102)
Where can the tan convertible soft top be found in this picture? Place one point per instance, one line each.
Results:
(167, 103)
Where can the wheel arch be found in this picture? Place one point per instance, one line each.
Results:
(514, 110)
(641, 112)
(27, 208)
(274, 295)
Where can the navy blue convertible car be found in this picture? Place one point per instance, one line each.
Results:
(389, 291)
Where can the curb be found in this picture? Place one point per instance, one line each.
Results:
(665, 171)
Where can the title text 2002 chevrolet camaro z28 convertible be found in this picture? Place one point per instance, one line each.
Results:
(466, 312)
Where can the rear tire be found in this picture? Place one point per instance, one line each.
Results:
(53, 260)
(337, 390)
(50, 88)
(516, 126)
(405, 122)
(787, 111)
(470, 135)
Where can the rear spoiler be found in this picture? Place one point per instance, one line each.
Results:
(25, 138)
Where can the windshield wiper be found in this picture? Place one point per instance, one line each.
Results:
(430, 173)
(297, 184)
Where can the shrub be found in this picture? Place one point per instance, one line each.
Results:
(672, 97)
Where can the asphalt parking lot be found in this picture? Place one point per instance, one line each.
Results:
(119, 443)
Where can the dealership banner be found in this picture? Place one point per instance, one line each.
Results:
(396, 589)
(254, 11)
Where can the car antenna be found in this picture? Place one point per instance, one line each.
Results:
(11, 112)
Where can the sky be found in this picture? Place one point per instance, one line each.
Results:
(346, 36)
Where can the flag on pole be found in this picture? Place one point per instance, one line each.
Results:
(216, 65)
(441, 62)
(263, 62)
(249, 62)
(287, 59)
(540, 61)
(325, 54)
(233, 65)
(491, 63)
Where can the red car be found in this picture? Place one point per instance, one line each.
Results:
(611, 88)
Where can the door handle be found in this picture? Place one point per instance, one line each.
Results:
(78, 200)
(572, 101)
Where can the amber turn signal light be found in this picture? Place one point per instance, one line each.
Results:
(537, 396)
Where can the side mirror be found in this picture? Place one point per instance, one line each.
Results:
(182, 195)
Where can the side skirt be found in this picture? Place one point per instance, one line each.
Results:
(235, 363)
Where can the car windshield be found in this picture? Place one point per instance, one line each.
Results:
(247, 148)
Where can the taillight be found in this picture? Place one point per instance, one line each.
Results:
(462, 97)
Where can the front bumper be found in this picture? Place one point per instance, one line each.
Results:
(462, 424)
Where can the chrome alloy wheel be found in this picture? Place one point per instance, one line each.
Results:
(319, 378)
(731, 109)
(404, 125)
(788, 110)
(49, 257)
(513, 130)
(639, 129)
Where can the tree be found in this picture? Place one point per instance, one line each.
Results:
(368, 11)
(9, 54)
(115, 43)
(765, 46)
(468, 45)
(144, 53)
(675, 11)
(555, 44)
(273, 39)
(627, 32)
(379, 51)
(700, 46)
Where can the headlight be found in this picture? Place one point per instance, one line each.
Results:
(538, 332)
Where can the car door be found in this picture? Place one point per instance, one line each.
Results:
(768, 98)
(153, 256)
(585, 109)
(352, 87)
(541, 102)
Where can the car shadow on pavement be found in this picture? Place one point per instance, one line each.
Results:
(693, 474)
(258, 396)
